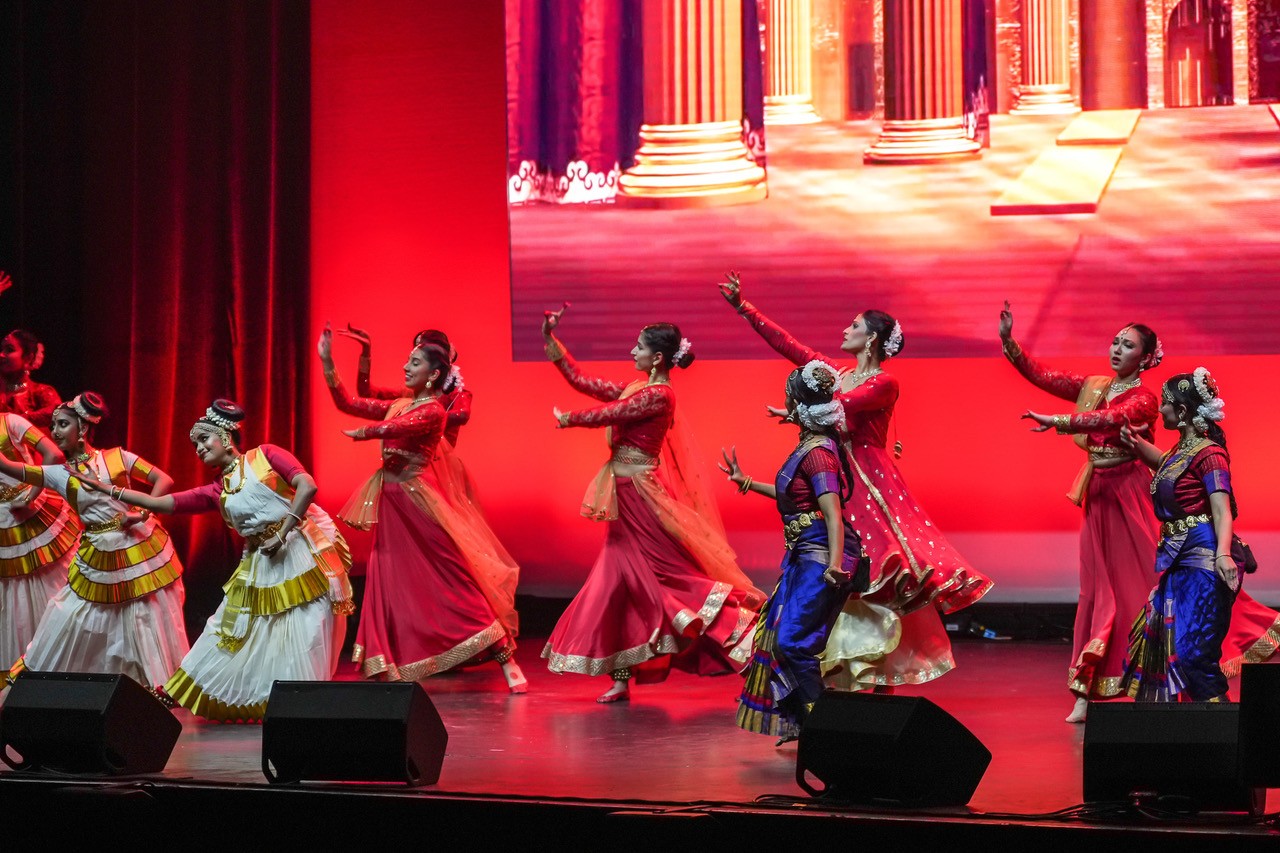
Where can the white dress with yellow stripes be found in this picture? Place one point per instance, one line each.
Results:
(121, 610)
(283, 616)
(37, 543)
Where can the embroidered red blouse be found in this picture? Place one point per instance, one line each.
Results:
(409, 431)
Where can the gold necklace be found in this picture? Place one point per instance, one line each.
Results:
(226, 479)
(863, 375)
(1121, 387)
(83, 464)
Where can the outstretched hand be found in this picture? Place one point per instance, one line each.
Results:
(783, 416)
(730, 465)
(559, 416)
(1043, 422)
(5, 281)
(551, 319)
(731, 289)
(324, 346)
(1128, 436)
(1006, 321)
(360, 336)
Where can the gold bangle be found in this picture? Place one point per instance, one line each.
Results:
(331, 378)
(1012, 349)
(745, 486)
(1062, 423)
(743, 307)
(563, 419)
(554, 350)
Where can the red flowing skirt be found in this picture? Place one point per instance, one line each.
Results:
(1117, 573)
(647, 606)
(422, 612)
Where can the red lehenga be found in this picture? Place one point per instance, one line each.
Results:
(666, 590)
(893, 634)
(439, 589)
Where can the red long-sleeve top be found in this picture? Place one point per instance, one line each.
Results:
(868, 408)
(640, 419)
(456, 403)
(409, 430)
(1138, 406)
(35, 402)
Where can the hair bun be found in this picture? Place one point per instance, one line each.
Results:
(228, 409)
(93, 403)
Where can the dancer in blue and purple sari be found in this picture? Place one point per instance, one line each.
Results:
(822, 565)
(1176, 645)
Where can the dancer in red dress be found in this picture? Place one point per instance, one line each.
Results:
(666, 589)
(1119, 537)
(20, 353)
(437, 594)
(893, 634)
(454, 396)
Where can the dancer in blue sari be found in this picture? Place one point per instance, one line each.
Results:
(1176, 644)
(822, 565)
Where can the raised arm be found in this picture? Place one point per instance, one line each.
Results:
(592, 386)
(458, 410)
(774, 335)
(362, 407)
(1057, 382)
(645, 403)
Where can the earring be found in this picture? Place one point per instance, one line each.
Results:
(653, 373)
(1181, 424)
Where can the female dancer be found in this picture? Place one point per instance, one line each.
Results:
(1118, 540)
(823, 562)
(38, 535)
(437, 594)
(453, 394)
(121, 610)
(893, 634)
(666, 590)
(284, 614)
(1177, 644)
(20, 353)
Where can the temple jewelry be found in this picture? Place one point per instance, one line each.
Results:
(1121, 387)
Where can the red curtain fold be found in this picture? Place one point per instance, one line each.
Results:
(179, 135)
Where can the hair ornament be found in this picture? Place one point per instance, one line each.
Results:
(77, 405)
(820, 416)
(453, 382)
(39, 358)
(810, 376)
(894, 344)
(1157, 356)
(685, 346)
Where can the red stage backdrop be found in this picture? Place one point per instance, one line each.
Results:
(410, 230)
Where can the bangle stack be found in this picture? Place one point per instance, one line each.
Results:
(744, 486)
(294, 516)
(116, 492)
(1062, 423)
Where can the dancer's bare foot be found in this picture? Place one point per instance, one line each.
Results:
(617, 693)
(1080, 710)
(516, 681)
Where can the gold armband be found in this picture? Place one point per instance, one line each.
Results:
(1062, 423)
(331, 378)
(555, 352)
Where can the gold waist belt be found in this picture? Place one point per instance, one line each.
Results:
(1109, 453)
(1182, 525)
(8, 493)
(792, 529)
(104, 526)
(632, 456)
(256, 540)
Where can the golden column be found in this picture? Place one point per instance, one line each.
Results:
(924, 84)
(691, 151)
(1046, 59)
(788, 79)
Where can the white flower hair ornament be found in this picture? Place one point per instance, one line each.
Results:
(810, 377)
(1212, 409)
(894, 344)
(820, 416)
(685, 346)
(38, 360)
(1157, 356)
(453, 382)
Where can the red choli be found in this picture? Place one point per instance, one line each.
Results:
(457, 404)
(821, 468)
(639, 420)
(1139, 406)
(36, 403)
(1209, 472)
(868, 409)
(408, 431)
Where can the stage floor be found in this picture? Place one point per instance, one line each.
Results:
(677, 742)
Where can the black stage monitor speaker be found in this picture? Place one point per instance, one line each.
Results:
(903, 750)
(353, 731)
(1187, 750)
(75, 722)
(1259, 714)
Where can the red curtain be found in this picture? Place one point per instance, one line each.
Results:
(161, 217)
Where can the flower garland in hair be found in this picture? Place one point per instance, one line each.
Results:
(1157, 356)
(819, 416)
(894, 344)
(1212, 408)
(82, 413)
(685, 346)
(39, 359)
(810, 377)
(453, 382)
(222, 426)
